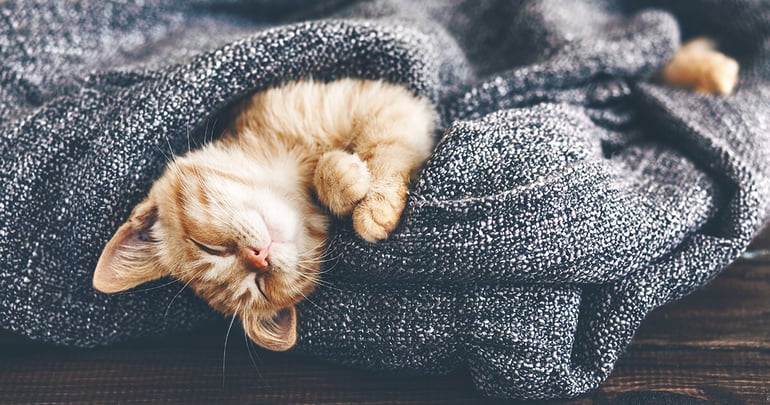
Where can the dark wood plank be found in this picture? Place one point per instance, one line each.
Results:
(194, 373)
(716, 375)
(731, 312)
(713, 346)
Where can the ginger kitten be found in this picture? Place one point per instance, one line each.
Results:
(238, 220)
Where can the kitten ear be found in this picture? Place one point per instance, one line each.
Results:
(128, 258)
(277, 333)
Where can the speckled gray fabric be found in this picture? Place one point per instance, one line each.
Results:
(568, 196)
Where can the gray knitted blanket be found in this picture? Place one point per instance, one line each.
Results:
(568, 196)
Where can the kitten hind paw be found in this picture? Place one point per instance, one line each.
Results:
(341, 180)
(699, 66)
(378, 214)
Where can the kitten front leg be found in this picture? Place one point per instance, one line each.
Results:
(394, 140)
(341, 180)
(344, 183)
(377, 215)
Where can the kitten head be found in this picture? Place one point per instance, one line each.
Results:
(247, 239)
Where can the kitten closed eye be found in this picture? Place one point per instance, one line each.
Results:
(212, 250)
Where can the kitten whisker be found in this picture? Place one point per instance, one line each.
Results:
(259, 288)
(317, 261)
(323, 256)
(168, 159)
(224, 351)
(170, 149)
(324, 271)
(327, 251)
(324, 284)
(321, 282)
(174, 281)
(168, 307)
(322, 245)
(250, 349)
(297, 290)
(187, 127)
(206, 137)
(214, 127)
(327, 270)
(206, 130)
(311, 259)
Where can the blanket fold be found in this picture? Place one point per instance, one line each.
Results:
(569, 194)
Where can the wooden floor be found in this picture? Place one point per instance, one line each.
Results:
(713, 346)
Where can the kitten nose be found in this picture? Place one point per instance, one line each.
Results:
(258, 257)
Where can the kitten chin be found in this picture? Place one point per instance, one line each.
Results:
(239, 220)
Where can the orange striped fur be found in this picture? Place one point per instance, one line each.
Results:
(350, 144)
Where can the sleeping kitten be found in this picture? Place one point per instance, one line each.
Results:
(238, 220)
(699, 66)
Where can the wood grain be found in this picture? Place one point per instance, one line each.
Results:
(712, 346)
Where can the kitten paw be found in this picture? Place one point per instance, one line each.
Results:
(341, 180)
(699, 66)
(377, 215)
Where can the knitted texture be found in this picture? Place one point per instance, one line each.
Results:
(568, 196)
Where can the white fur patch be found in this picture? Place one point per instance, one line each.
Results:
(248, 284)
